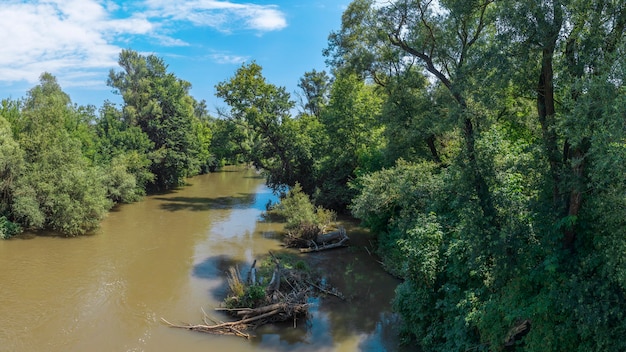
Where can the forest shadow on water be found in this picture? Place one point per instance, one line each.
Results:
(204, 203)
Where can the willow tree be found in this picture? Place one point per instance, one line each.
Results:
(11, 167)
(57, 189)
(570, 54)
(362, 47)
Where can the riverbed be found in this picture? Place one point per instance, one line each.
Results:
(165, 257)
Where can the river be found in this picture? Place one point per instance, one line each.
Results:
(165, 257)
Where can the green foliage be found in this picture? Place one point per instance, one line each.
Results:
(421, 249)
(265, 133)
(315, 87)
(8, 229)
(126, 152)
(396, 192)
(56, 188)
(242, 295)
(204, 134)
(354, 140)
(253, 296)
(120, 178)
(518, 216)
(11, 165)
(227, 142)
(297, 209)
(159, 104)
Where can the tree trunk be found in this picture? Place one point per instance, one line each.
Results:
(546, 111)
(331, 236)
(433, 148)
(478, 180)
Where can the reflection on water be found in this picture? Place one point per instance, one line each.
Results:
(166, 257)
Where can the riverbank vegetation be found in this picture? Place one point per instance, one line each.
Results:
(64, 166)
(483, 142)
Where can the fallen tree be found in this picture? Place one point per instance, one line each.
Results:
(253, 303)
(311, 240)
(250, 318)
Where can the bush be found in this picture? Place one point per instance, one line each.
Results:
(8, 229)
(298, 211)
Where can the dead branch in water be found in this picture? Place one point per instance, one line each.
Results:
(339, 236)
(284, 298)
(251, 318)
(319, 242)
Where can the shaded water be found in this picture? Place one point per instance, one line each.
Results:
(166, 257)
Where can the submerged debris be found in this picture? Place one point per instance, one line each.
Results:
(254, 303)
(312, 240)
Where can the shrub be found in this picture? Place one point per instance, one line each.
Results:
(300, 214)
(8, 229)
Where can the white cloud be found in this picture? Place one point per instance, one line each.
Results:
(222, 15)
(225, 58)
(60, 36)
(169, 41)
(79, 40)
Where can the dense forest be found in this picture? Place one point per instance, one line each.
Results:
(483, 142)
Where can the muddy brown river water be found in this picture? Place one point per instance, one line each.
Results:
(165, 257)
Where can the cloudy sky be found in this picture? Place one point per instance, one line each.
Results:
(202, 41)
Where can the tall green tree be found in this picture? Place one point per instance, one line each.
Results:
(261, 111)
(315, 86)
(58, 188)
(159, 103)
(354, 139)
(126, 152)
(11, 168)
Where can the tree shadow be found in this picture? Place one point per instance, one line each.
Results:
(213, 268)
(256, 177)
(174, 204)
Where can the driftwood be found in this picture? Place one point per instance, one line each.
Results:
(286, 298)
(327, 241)
(251, 279)
(331, 237)
(279, 306)
(319, 242)
(273, 287)
(341, 243)
(333, 291)
(251, 317)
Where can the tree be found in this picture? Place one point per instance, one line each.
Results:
(57, 189)
(124, 150)
(159, 103)
(11, 167)
(202, 124)
(354, 139)
(261, 112)
(315, 87)
(525, 232)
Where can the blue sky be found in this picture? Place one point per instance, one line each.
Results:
(202, 41)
